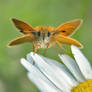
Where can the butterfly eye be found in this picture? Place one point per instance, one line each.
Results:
(21, 31)
(48, 34)
(39, 34)
(63, 31)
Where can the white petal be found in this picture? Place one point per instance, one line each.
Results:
(42, 83)
(54, 62)
(82, 62)
(61, 67)
(73, 67)
(38, 78)
(58, 76)
(30, 59)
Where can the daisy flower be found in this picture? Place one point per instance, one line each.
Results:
(75, 75)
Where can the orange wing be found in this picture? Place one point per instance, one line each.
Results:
(23, 39)
(68, 28)
(66, 40)
(22, 26)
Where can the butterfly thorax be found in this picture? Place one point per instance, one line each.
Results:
(43, 37)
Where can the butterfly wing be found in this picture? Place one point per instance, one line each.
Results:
(22, 26)
(68, 28)
(66, 40)
(23, 39)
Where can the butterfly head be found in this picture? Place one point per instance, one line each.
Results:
(43, 35)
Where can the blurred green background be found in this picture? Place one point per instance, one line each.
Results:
(13, 76)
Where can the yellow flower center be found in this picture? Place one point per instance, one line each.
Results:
(83, 87)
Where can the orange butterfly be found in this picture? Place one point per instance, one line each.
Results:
(45, 37)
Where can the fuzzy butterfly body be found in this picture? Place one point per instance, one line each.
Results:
(45, 37)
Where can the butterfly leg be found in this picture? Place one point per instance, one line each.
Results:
(53, 46)
(33, 47)
(62, 47)
(36, 48)
(46, 49)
